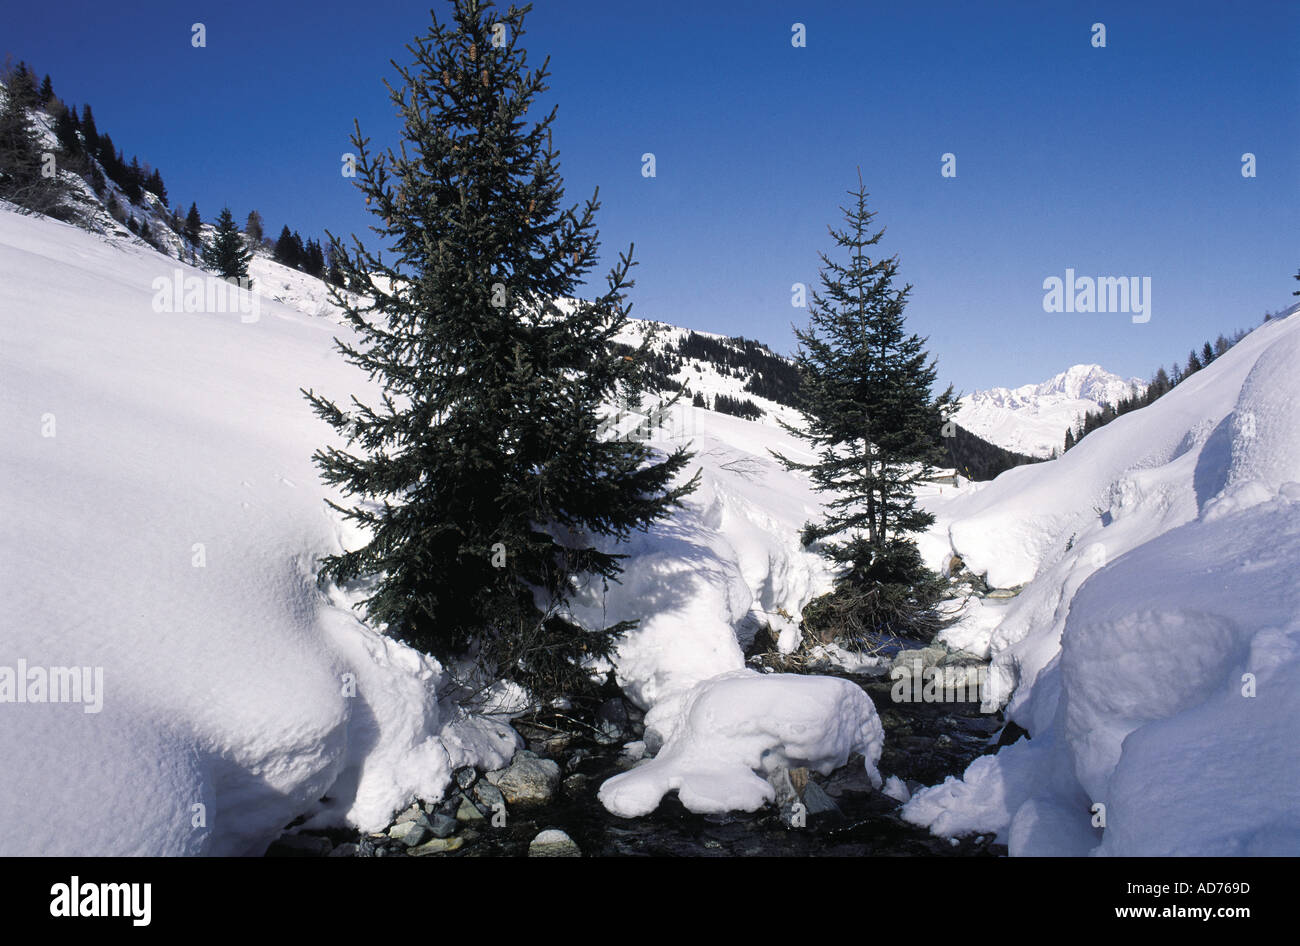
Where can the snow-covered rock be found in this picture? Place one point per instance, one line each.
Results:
(737, 725)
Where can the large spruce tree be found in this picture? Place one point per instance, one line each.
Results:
(871, 417)
(484, 476)
(226, 254)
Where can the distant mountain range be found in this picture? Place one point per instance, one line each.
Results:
(1033, 418)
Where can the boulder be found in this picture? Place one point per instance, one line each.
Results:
(553, 843)
(817, 801)
(443, 826)
(527, 781)
(468, 811)
(410, 833)
(414, 813)
(437, 846)
(488, 795)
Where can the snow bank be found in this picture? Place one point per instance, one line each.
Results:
(1154, 655)
(701, 584)
(739, 724)
(166, 531)
(163, 518)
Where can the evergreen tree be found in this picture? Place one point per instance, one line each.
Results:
(1193, 363)
(65, 129)
(133, 182)
(253, 228)
(20, 84)
(46, 95)
(226, 254)
(487, 464)
(89, 134)
(335, 273)
(287, 250)
(872, 419)
(1207, 353)
(194, 225)
(314, 260)
(1160, 385)
(1069, 439)
(25, 166)
(154, 184)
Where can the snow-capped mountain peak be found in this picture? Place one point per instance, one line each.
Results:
(1033, 418)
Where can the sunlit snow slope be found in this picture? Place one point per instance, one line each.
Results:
(1154, 653)
(161, 522)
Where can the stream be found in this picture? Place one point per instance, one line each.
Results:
(924, 743)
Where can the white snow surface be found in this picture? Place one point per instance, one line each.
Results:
(162, 521)
(168, 532)
(737, 725)
(1033, 418)
(1158, 560)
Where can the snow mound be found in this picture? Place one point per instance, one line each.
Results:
(1154, 655)
(725, 564)
(737, 725)
(163, 519)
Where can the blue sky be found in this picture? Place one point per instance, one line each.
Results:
(1121, 161)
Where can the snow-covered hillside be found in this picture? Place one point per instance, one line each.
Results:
(1154, 653)
(1033, 418)
(164, 519)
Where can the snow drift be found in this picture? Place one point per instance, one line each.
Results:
(1154, 653)
(162, 522)
(736, 725)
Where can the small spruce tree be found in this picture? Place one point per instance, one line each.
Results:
(194, 225)
(253, 228)
(871, 417)
(227, 254)
(287, 250)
